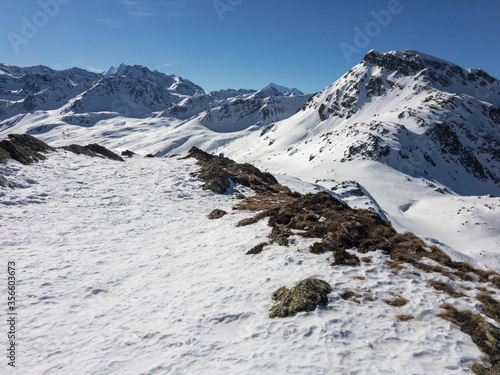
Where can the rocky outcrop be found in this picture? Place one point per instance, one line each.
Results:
(216, 214)
(218, 171)
(93, 150)
(23, 148)
(305, 296)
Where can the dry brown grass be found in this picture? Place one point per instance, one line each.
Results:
(358, 278)
(398, 302)
(430, 269)
(405, 318)
(257, 249)
(483, 334)
(446, 288)
(348, 294)
(491, 307)
(342, 257)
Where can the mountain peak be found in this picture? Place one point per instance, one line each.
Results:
(283, 89)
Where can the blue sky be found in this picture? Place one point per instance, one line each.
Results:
(246, 43)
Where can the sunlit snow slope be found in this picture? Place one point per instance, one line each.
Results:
(121, 272)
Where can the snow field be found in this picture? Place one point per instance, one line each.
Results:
(121, 272)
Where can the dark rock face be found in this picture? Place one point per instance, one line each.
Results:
(93, 150)
(79, 150)
(305, 296)
(128, 153)
(98, 149)
(23, 148)
(216, 214)
(218, 171)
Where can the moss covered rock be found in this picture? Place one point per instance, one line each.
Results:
(247, 221)
(305, 296)
(216, 214)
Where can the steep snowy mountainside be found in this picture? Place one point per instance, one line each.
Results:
(175, 85)
(23, 90)
(196, 104)
(393, 114)
(283, 89)
(388, 126)
(440, 74)
(126, 95)
(261, 107)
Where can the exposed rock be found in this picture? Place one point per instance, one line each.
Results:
(216, 214)
(282, 239)
(247, 221)
(92, 150)
(150, 156)
(103, 151)
(218, 171)
(305, 296)
(79, 150)
(23, 148)
(128, 153)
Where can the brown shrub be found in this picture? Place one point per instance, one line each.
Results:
(398, 302)
(342, 257)
(348, 294)
(405, 318)
(257, 249)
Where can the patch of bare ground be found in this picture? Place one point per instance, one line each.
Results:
(348, 294)
(446, 288)
(405, 318)
(485, 335)
(398, 302)
(257, 249)
(358, 277)
(491, 307)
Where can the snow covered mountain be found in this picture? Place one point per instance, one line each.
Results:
(405, 122)
(420, 115)
(40, 101)
(24, 90)
(283, 89)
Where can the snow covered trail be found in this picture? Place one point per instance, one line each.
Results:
(121, 272)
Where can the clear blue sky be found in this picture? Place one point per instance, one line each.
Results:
(245, 43)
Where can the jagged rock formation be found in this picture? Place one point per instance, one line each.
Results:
(23, 148)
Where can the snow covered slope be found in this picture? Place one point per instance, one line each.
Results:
(407, 127)
(123, 273)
